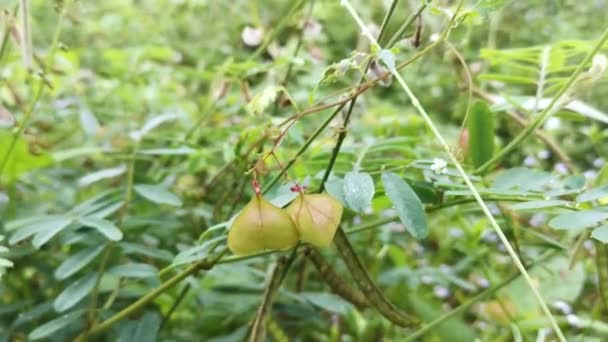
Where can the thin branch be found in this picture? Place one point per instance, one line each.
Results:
(426, 328)
(463, 173)
(204, 264)
(258, 328)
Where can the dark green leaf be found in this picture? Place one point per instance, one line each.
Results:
(481, 133)
(74, 293)
(408, 205)
(49, 328)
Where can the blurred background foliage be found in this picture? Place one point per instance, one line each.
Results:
(152, 112)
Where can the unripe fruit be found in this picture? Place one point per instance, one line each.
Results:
(317, 217)
(260, 226)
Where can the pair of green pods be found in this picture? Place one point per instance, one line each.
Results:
(312, 218)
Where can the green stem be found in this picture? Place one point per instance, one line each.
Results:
(258, 329)
(277, 28)
(343, 131)
(406, 25)
(302, 149)
(150, 296)
(601, 265)
(108, 250)
(556, 103)
(464, 306)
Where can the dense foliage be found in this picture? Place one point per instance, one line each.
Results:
(439, 166)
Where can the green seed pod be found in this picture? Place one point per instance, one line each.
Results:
(317, 217)
(260, 226)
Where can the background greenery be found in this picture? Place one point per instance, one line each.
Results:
(140, 124)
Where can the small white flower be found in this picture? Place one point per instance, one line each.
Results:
(561, 168)
(530, 161)
(552, 123)
(573, 320)
(252, 36)
(441, 292)
(599, 162)
(439, 166)
(543, 154)
(590, 174)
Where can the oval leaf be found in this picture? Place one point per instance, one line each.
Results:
(531, 205)
(408, 205)
(358, 190)
(593, 194)
(481, 133)
(601, 234)
(51, 229)
(134, 270)
(75, 292)
(577, 220)
(76, 262)
(157, 194)
(105, 227)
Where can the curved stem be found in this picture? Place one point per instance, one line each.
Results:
(335, 281)
(365, 283)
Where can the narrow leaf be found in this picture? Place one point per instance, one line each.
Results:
(406, 202)
(51, 327)
(75, 292)
(134, 270)
(481, 133)
(531, 205)
(577, 220)
(77, 262)
(157, 194)
(358, 190)
(51, 228)
(105, 227)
